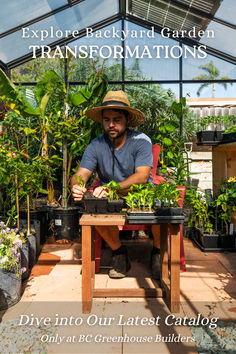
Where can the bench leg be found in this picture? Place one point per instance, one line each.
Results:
(174, 267)
(87, 274)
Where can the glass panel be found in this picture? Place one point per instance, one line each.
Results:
(192, 69)
(114, 87)
(103, 55)
(15, 12)
(75, 18)
(227, 11)
(223, 38)
(33, 69)
(143, 66)
(172, 88)
(209, 90)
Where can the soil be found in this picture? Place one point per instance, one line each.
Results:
(89, 195)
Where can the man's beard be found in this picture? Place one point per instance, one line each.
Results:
(119, 135)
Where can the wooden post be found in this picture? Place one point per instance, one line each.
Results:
(28, 215)
(17, 203)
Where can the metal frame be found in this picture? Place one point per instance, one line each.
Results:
(62, 41)
(123, 14)
(39, 18)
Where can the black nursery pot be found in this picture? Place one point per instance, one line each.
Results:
(49, 211)
(165, 211)
(66, 223)
(10, 289)
(115, 206)
(32, 250)
(25, 259)
(41, 216)
(209, 137)
(96, 205)
(228, 138)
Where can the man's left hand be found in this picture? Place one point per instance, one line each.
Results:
(100, 192)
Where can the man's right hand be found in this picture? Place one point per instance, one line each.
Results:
(78, 192)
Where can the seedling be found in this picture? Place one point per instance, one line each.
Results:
(80, 181)
(113, 188)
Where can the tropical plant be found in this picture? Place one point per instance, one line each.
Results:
(212, 74)
(201, 214)
(225, 201)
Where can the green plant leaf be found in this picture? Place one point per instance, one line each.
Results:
(167, 141)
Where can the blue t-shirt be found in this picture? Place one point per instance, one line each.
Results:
(117, 165)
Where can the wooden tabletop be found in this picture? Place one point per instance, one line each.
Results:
(102, 219)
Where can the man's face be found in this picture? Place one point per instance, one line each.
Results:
(114, 123)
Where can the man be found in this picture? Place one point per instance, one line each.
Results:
(122, 155)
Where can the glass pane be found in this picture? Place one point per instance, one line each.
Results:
(146, 63)
(102, 51)
(223, 38)
(15, 13)
(172, 88)
(192, 68)
(34, 69)
(75, 18)
(209, 90)
(227, 11)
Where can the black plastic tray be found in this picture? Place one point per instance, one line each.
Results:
(135, 220)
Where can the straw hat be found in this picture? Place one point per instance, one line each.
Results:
(116, 100)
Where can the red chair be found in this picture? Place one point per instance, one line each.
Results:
(156, 180)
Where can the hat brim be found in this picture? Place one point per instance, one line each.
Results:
(136, 117)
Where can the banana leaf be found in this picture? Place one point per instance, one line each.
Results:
(10, 94)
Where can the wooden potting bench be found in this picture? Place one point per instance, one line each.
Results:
(169, 258)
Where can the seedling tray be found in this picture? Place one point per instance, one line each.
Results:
(150, 219)
(166, 211)
(115, 206)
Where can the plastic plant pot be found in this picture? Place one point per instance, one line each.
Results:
(66, 223)
(115, 206)
(165, 211)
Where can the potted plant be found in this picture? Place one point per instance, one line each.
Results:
(166, 200)
(201, 220)
(229, 136)
(115, 203)
(140, 201)
(209, 135)
(226, 207)
(92, 204)
(213, 129)
(10, 267)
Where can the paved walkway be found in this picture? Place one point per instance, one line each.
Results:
(52, 294)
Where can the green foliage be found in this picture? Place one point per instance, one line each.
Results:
(225, 200)
(212, 73)
(217, 122)
(113, 189)
(200, 206)
(80, 181)
(11, 95)
(143, 196)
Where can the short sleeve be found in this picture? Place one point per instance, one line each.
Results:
(143, 151)
(89, 158)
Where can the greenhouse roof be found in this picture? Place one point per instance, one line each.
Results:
(32, 22)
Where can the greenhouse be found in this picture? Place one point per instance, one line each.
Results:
(117, 176)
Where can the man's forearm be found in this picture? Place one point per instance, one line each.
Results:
(82, 174)
(136, 178)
